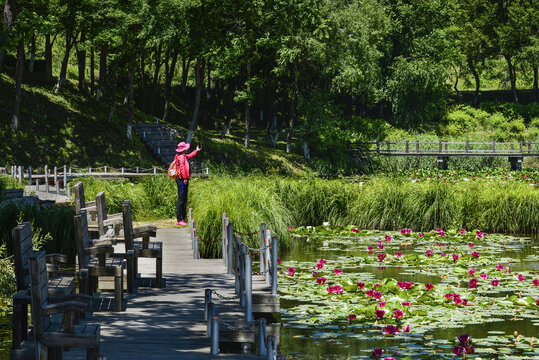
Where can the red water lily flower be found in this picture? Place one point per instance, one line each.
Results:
(391, 329)
(354, 230)
(406, 328)
(398, 254)
(369, 292)
(322, 261)
(319, 266)
(537, 301)
(520, 277)
(457, 350)
(315, 274)
(290, 228)
(405, 303)
(442, 254)
(291, 271)
(381, 257)
(421, 234)
(495, 282)
(376, 294)
(370, 248)
(462, 231)
(376, 353)
(483, 275)
(499, 267)
(335, 289)
(398, 313)
(429, 252)
(470, 245)
(448, 296)
(471, 272)
(456, 299)
(361, 285)
(536, 282)
(380, 313)
(472, 284)
(387, 238)
(337, 271)
(476, 254)
(279, 261)
(428, 286)
(321, 280)
(406, 231)
(382, 304)
(479, 234)
(405, 285)
(352, 317)
(455, 257)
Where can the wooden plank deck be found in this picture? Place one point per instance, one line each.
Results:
(168, 323)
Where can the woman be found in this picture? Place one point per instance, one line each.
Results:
(182, 180)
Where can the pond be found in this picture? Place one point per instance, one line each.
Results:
(345, 293)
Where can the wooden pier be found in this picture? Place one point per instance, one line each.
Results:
(168, 323)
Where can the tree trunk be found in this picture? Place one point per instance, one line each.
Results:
(292, 116)
(130, 102)
(198, 92)
(169, 75)
(92, 74)
(247, 107)
(18, 82)
(81, 60)
(535, 83)
(185, 72)
(207, 90)
(477, 81)
(9, 17)
(32, 53)
(48, 57)
(155, 81)
(512, 77)
(63, 70)
(228, 110)
(113, 92)
(102, 71)
(456, 85)
(142, 82)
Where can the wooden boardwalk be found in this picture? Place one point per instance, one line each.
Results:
(168, 323)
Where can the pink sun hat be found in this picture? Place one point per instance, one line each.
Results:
(182, 147)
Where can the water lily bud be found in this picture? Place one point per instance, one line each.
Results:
(515, 334)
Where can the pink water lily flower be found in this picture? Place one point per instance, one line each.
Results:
(456, 299)
(337, 271)
(406, 328)
(380, 246)
(376, 294)
(290, 228)
(361, 285)
(462, 231)
(442, 254)
(375, 285)
(405, 303)
(315, 274)
(448, 296)
(352, 317)
(387, 238)
(479, 234)
(322, 261)
(406, 231)
(398, 313)
(455, 257)
(428, 286)
(471, 272)
(537, 302)
(495, 282)
(335, 289)
(279, 261)
(429, 252)
(421, 234)
(391, 329)
(389, 358)
(472, 284)
(319, 266)
(398, 254)
(380, 313)
(370, 248)
(381, 257)
(499, 267)
(405, 285)
(476, 254)
(470, 245)
(536, 282)
(382, 304)
(520, 277)
(483, 276)
(291, 271)
(354, 230)
(321, 280)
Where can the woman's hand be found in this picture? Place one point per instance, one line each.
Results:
(198, 148)
(185, 181)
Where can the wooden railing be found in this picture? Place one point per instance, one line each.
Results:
(447, 148)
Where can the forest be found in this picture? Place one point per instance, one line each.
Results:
(306, 68)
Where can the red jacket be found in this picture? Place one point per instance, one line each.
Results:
(182, 165)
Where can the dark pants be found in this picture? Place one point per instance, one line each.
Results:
(181, 207)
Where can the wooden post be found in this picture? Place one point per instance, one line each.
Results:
(46, 174)
(190, 217)
(512, 147)
(55, 174)
(521, 147)
(262, 337)
(196, 253)
(446, 146)
(243, 260)
(137, 169)
(529, 146)
(37, 185)
(417, 145)
(46, 186)
(388, 147)
(19, 174)
(407, 145)
(493, 146)
(68, 192)
(274, 265)
(267, 258)
(378, 147)
(230, 248)
(440, 146)
(123, 170)
(105, 169)
(467, 146)
(215, 336)
(270, 348)
(262, 252)
(248, 288)
(90, 171)
(154, 170)
(223, 236)
(69, 172)
(207, 300)
(192, 234)
(30, 174)
(65, 177)
(236, 266)
(57, 185)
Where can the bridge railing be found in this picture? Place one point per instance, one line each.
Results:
(447, 148)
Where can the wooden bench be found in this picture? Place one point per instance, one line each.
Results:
(52, 336)
(144, 248)
(99, 258)
(58, 285)
(13, 194)
(107, 224)
(88, 206)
